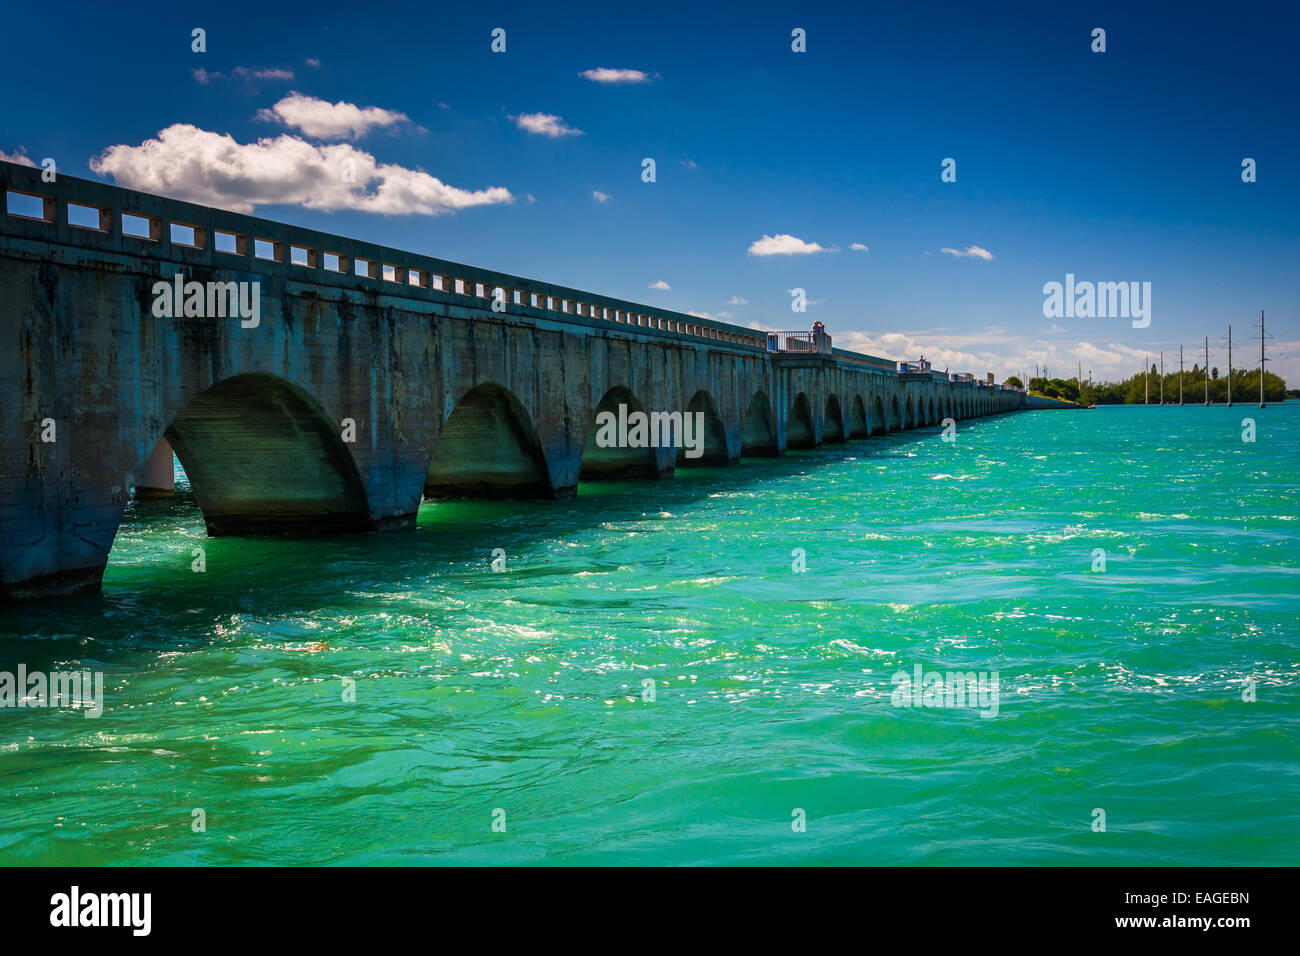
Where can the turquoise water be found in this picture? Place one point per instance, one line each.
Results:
(522, 691)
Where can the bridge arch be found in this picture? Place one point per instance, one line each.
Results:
(488, 448)
(833, 423)
(263, 457)
(934, 418)
(713, 441)
(899, 425)
(910, 410)
(799, 427)
(759, 435)
(608, 455)
(859, 424)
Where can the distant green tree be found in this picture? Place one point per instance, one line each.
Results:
(1014, 381)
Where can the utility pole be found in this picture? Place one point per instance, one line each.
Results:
(1180, 375)
(1146, 380)
(1261, 358)
(1079, 379)
(1229, 366)
(1207, 370)
(1162, 376)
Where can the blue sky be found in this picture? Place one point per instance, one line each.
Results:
(1115, 166)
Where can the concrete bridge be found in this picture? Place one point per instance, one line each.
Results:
(371, 379)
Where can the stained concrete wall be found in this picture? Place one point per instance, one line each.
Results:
(260, 416)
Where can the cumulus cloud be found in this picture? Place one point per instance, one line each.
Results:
(599, 196)
(699, 315)
(971, 252)
(858, 247)
(604, 74)
(689, 164)
(20, 157)
(313, 62)
(997, 350)
(783, 245)
(189, 163)
(660, 284)
(324, 120)
(545, 124)
(737, 300)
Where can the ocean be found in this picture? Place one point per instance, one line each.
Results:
(715, 669)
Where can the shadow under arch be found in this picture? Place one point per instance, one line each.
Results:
(878, 423)
(910, 409)
(858, 424)
(833, 423)
(609, 452)
(934, 417)
(758, 439)
(713, 436)
(262, 457)
(799, 429)
(899, 424)
(488, 448)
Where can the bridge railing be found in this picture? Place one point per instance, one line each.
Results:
(810, 342)
(83, 212)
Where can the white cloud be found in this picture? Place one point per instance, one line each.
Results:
(724, 315)
(248, 74)
(699, 315)
(324, 120)
(205, 77)
(599, 196)
(530, 197)
(858, 247)
(313, 62)
(659, 284)
(189, 163)
(997, 350)
(971, 252)
(737, 300)
(20, 157)
(545, 124)
(604, 74)
(783, 245)
(689, 164)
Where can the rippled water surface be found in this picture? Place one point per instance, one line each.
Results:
(522, 691)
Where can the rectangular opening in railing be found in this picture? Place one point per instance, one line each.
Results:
(82, 216)
(25, 205)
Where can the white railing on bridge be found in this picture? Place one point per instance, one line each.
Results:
(808, 342)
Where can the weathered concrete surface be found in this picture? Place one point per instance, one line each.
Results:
(355, 395)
